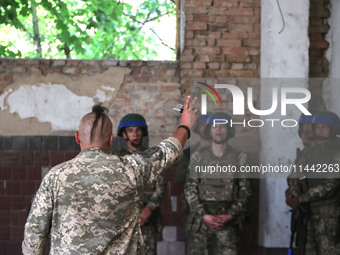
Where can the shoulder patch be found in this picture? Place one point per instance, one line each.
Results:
(149, 152)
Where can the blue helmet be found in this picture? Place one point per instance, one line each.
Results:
(132, 120)
(219, 115)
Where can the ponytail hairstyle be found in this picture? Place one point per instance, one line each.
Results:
(100, 112)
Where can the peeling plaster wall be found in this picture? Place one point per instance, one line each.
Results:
(55, 101)
(48, 97)
(284, 54)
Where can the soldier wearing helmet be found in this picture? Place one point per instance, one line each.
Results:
(132, 127)
(320, 194)
(217, 205)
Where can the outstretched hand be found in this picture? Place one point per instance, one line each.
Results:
(189, 116)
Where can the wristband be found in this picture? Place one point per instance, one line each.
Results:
(186, 128)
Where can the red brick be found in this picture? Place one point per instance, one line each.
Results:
(202, 2)
(217, 11)
(188, 58)
(196, 26)
(238, 59)
(187, 52)
(235, 51)
(199, 65)
(191, 73)
(217, 58)
(255, 36)
(208, 50)
(186, 65)
(237, 66)
(198, 42)
(202, 18)
(240, 11)
(319, 44)
(316, 36)
(241, 27)
(222, 73)
(235, 35)
(252, 43)
(203, 58)
(221, 19)
(190, 17)
(229, 43)
(224, 3)
(242, 73)
(213, 65)
(254, 52)
(211, 42)
(189, 34)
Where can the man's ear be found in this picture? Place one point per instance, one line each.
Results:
(124, 135)
(111, 138)
(77, 137)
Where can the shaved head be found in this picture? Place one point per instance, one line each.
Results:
(95, 128)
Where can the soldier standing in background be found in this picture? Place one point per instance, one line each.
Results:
(90, 204)
(217, 205)
(298, 218)
(321, 196)
(132, 127)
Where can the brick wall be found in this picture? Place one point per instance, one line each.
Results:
(318, 63)
(222, 39)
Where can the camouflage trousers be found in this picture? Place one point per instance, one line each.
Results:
(323, 231)
(149, 237)
(207, 240)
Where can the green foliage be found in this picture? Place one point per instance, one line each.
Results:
(90, 29)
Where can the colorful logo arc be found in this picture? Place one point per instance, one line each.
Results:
(209, 93)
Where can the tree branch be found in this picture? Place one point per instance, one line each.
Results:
(36, 37)
(162, 42)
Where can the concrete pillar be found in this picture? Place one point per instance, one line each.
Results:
(331, 88)
(284, 54)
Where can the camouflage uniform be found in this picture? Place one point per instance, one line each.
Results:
(153, 197)
(90, 204)
(322, 200)
(215, 197)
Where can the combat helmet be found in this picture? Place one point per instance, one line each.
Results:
(219, 115)
(202, 119)
(329, 118)
(306, 119)
(132, 120)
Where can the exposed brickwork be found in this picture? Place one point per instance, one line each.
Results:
(318, 63)
(218, 34)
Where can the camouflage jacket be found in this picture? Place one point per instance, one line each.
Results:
(153, 196)
(241, 187)
(322, 191)
(90, 204)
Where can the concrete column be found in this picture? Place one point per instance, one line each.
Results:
(284, 54)
(332, 89)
